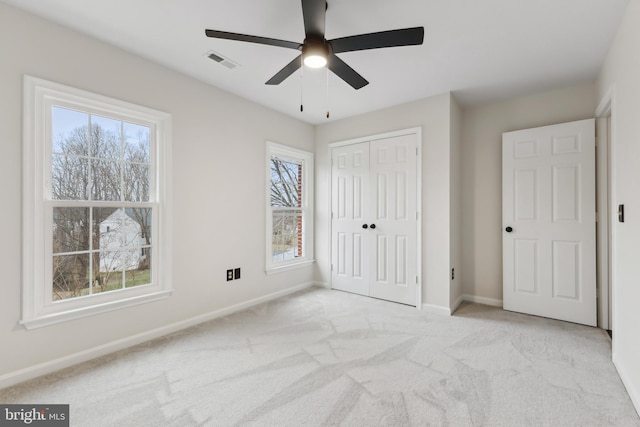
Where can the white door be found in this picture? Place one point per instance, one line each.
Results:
(349, 211)
(393, 212)
(548, 219)
(374, 224)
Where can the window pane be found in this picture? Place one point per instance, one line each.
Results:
(70, 230)
(136, 182)
(107, 225)
(109, 272)
(286, 243)
(141, 275)
(286, 183)
(141, 227)
(70, 276)
(105, 180)
(69, 132)
(136, 143)
(69, 178)
(124, 235)
(106, 141)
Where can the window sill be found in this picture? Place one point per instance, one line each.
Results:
(287, 267)
(78, 313)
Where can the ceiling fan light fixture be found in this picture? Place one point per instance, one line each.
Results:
(315, 61)
(315, 55)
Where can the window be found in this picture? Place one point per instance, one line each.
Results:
(96, 224)
(289, 207)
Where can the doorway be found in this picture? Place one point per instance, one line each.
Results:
(606, 216)
(374, 216)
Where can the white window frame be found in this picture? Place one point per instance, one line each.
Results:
(306, 158)
(38, 309)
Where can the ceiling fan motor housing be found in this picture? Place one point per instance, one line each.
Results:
(315, 52)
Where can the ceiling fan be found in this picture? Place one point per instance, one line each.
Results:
(317, 51)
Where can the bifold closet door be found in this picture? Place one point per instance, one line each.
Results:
(392, 183)
(350, 203)
(374, 219)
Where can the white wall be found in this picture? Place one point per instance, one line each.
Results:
(218, 138)
(482, 129)
(433, 115)
(621, 71)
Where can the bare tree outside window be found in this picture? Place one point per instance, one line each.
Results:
(99, 248)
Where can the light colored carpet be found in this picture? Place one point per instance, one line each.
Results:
(327, 358)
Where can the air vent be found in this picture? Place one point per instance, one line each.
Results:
(222, 60)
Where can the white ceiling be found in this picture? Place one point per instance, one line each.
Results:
(482, 50)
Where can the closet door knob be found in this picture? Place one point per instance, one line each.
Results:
(365, 226)
(508, 229)
(372, 226)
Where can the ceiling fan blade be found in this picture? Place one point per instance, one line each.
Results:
(391, 38)
(252, 39)
(288, 69)
(345, 72)
(314, 13)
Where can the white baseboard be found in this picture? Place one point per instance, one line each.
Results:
(457, 304)
(322, 285)
(633, 392)
(482, 300)
(445, 311)
(436, 309)
(48, 367)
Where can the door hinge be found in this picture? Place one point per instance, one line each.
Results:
(416, 280)
(331, 267)
(596, 216)
(416, 151)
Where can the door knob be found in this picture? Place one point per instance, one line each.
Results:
(508, 229)
(365, 226)
(372, 226)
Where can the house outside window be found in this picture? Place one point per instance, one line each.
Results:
(289, 207)
(96, 222)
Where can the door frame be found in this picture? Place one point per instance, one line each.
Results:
(605, 156)
(417, 131)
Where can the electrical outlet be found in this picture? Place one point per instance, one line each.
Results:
(229, 275)
(236, 273)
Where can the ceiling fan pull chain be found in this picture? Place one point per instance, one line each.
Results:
(301, 83)
(327, 73)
